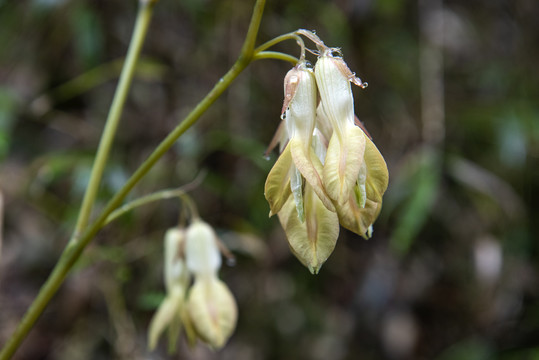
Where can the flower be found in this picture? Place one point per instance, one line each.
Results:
(207, 310)
(329, 171)
(211, 307)
(176, 282)
(355, 174)
(294, 187)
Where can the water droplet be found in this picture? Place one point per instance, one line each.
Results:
(231, 261)
(364, 85)
(266, 157)
(314, 32)
(283, 116)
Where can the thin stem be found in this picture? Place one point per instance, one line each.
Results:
(281, 38)
(275, 55)
(247, 50)
(180, 192)
(139, 34)
(74, 249)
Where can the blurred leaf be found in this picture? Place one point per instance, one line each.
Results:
(469, 349)
(146, 69)
(8, 107)
(421, 189)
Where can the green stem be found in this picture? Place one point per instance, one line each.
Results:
(139, 34)
(275, 55)
(156, 196)
(74, 249)
(281, 38)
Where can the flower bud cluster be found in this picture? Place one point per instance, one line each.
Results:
(329, 171)
(205, 307)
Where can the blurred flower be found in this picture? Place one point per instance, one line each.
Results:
(176, 283)
(208, 310)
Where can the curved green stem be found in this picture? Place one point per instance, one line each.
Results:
(281, 38)
(74, 249)
(275, 55)
(156, 196)
(113, 119)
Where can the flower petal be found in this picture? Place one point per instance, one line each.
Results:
(310, 167)
(277, 188)
(213, 311)
(357, 219)
(312, 241)
(167, 313)
(342, 165)
(352, 215)
(377, 174)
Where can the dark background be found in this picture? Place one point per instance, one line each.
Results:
(452, 269)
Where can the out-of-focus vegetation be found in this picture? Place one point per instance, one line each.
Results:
(452, 270)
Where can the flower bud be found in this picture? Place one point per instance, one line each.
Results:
(212, 311)
(176, 273)
(201, 251)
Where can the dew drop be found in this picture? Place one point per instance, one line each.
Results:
(283, 116)
(266, 157)
(231, 261)
(364, 85)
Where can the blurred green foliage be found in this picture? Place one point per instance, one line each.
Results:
(452, 271)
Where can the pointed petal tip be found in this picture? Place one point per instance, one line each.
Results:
(315, 269)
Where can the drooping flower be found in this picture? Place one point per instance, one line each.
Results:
(347, 143)
(355, 174)
(211, 307)
(329, 170)
(207, 310)
(294, 187)
(297, 161)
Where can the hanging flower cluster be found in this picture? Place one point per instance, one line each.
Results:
(329, 172)
(207, 309)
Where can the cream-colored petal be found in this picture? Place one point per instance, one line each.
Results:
(357, 219)
(311, 168)
(277, 188)
(335, 94)
(175, 271)
(377, 174)
(312, 241)
(342, 164)
(213, 311)
(360, 219)
(301, 114)
(202, 255)
(166, 314)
